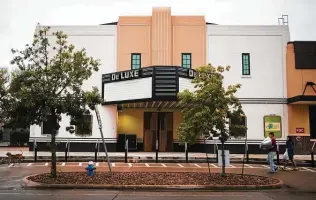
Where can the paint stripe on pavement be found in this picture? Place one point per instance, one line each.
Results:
(80, 164)
(248, 166)
(46, 164)
(63, 164)
(11, 165)
(146, 165)
(97, 164)
(180, 165)
(265, 166)
(163, 165)
(29, 164)
(130, 164)
(214, 165)
(197, 165)
(113, 164)
(308, 169)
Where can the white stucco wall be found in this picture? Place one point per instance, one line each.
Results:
(109, 125)
(267, 81)
(267, 48)
(100, 43)
(255, 122)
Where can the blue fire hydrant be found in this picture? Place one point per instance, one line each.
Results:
(90, 168)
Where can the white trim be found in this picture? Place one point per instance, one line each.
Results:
(247, 30)
(84, 30)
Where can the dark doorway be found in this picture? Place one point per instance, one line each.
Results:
(158, 127)
(312, 121)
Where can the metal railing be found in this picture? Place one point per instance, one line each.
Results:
(312, 155)
(126, 150)
(186, 151)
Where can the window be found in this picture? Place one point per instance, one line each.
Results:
(186, 60)
(136, 60)
(84, 125)
(235, 125)
(245, 64)
(48, 126)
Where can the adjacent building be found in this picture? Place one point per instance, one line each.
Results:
(301, 92)
(147, 60)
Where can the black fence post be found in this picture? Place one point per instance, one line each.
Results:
(96, 152)
(126, 150)
(66, 152)
(247, 152)
(312, 155)
(156, 151)
(186, 153)
(247, 156)
(216, 155)
(278, 154)
(35, 154)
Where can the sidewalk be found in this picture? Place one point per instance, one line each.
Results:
(303, 180)
(142, 156)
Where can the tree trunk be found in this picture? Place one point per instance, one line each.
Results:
(223, 160)
(208, 163)
(53, 171)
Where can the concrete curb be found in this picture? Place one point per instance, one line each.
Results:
(35, 185)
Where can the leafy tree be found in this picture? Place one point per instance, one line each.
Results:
(4, 80)
(48, 83)
(207, 110)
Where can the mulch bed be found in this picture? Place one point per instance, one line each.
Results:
(153, 178)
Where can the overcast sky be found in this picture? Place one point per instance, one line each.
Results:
(18, 18)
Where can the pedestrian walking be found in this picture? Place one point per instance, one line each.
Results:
(272, 152)
(290, 153)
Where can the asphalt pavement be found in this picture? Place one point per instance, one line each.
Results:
(128, 195)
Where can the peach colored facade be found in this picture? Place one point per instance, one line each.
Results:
(297, 78)
(161, 38)
(298, 113)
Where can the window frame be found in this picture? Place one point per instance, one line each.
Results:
(140, 60)
(245, 117)
(186, 54)
(42, 127)
(243, 64)
(76, 127)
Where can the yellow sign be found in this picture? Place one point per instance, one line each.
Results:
(272, 123)
(272, 126)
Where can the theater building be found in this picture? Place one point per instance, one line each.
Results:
(147, 60)
(301, 91)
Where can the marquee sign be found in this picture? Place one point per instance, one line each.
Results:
(126, 75)
(148, 72)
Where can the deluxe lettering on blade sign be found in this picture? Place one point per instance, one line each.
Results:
(193, 74)
(125, 75)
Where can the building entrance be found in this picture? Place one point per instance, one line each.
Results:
(158, 127)
(312, 121)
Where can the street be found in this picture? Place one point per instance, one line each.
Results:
(134, 195)
(297, 183)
